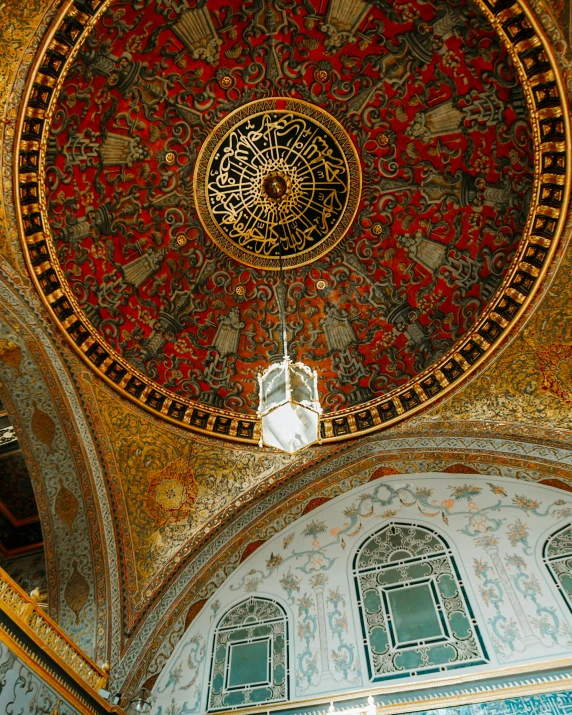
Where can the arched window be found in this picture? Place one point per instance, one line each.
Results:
(250, 656)
(414, 610)
(558, 559)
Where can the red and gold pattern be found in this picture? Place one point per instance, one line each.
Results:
(408, 302)
(172, 493)
(555, 364)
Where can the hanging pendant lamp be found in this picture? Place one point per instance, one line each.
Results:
(289, 408)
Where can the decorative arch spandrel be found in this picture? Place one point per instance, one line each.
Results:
(61, 463)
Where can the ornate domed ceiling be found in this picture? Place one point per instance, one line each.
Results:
(406, 161)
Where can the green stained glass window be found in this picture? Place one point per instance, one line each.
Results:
(558, 559)
(250, 656)
(414, 613)
(249, 663)
(411, 603)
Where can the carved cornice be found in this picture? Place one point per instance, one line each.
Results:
(27, 615)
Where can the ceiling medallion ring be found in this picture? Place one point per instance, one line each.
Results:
(277, 171)
(525, 41)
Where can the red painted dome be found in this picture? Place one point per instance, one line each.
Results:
(396, 139)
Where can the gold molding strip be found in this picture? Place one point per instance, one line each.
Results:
(31, 660)
(45, 632)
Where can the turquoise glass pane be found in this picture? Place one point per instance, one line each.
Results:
(414, 612)
(459, 624)
(408, 660)
(239, 635)
(259, 695)
(400, 555)
(387, 577)
(418, 570)
(447, 586)
(442, 654)
(218, 682)
(279, 674)
(371, 601)
(566, 581)
(378, 640)
(234, 698)
(249, 663)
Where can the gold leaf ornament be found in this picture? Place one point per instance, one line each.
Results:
(66, 506)
(10, 354)
(76, 592)
(43, 427)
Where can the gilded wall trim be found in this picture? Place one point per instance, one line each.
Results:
(45, 632)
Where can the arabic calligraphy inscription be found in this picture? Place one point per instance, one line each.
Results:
(278, 175)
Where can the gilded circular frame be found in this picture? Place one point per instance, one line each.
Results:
(298, 110)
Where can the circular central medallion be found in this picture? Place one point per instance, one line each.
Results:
(275, 186)
(278, 176)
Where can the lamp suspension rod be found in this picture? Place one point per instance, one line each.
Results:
(282, 295)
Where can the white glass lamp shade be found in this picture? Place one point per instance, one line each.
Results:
(289, 406)
(141, 702)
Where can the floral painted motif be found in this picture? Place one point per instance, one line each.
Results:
(314, 529)
(496, 489)
(525, 503)
(307, 671)
(423, 492)
(251, 584)
(519, 617)
(290, 583)
(343, 657)
(319, 580)
(192, 683)
(466, 491)
(518, 534)
(215, 608)
(274, 561)
(517, 561)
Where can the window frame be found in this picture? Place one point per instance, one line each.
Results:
(394, 646)
(279, 627)
(549, 560)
